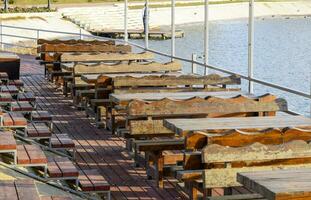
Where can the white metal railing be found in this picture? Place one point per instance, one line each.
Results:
(193, 62)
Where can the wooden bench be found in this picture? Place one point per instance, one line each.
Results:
(229, 134)
(20, 189)
(42, 116)
(61, 168)
(14, 120)
(63, 142)
(121, 70)
(21, 106)
(17, 83)
(5, 98)
(31, 156)
(74, 41)
(256, 157)
(26, 96)
(169, 83)
(38, 131)
(105, 57)
(12, 89)
(91, 181)
(8, 144)
(145, 121)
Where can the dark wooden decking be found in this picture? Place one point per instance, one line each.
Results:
(96, 148)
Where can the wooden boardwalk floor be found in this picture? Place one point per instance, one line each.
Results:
(97, 148)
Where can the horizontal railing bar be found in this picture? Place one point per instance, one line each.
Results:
(17, 36)
(258, 81)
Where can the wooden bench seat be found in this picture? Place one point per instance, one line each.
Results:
(30, 154)
(26, 96)
(40, 116)
(17, 83)
(5, 97)
(62, 167)
(12, 119)
(9, 89)
(8, 144)
(55, 197)
(20, 189)
(62, 141)
(21, 106)
(238, 197)
(91, 181)
(7, 141)
(38, 130)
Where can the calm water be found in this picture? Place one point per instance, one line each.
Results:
(282, 52)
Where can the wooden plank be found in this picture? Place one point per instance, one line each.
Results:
(98, 181)
(22, 156)
(215, 153)
(118, 98)
(128, 68)
(227, 177)
(40, 115)
(42, 129)
(148, 127)
(32, 131)
(7, 120)
(238, 197)
(6, 97)
(26, 189)
(279, 184)
(164, 80)
(85, 57)
(55, 143)
(85, 183)
(7, 190)
(18, 119)
(7, 141)
(65, 140)
(53, 169)
(73, 41)
(180, 126)
(236, 138)
(27, 96)
(197, 105)
(159, 144)
(66, 166)
(84, 48)
(36, 154)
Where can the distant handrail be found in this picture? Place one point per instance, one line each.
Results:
(255, 80)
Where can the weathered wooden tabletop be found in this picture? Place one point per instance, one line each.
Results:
(183, 126)
(279, 184)
(118, 98)
(92, 78)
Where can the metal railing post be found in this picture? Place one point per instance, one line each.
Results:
(38, 34)
(1, 36)
(194, 69)
(147, 25)
(173, 29)
(125, 21)
(250, 46)
(206, 35)
(81, 37)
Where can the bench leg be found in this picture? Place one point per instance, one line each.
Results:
(159, 168)
(193, 191)
(15, 158)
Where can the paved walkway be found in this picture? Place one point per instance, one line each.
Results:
(97, 148)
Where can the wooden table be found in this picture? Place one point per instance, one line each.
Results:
(184, 126)
(126, 98)
(279, 184)
(92, 78)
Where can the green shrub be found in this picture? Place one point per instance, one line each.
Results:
(11, 1)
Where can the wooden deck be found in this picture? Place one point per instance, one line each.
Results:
(96, 148)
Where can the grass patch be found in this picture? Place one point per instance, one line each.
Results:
(26, 10)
